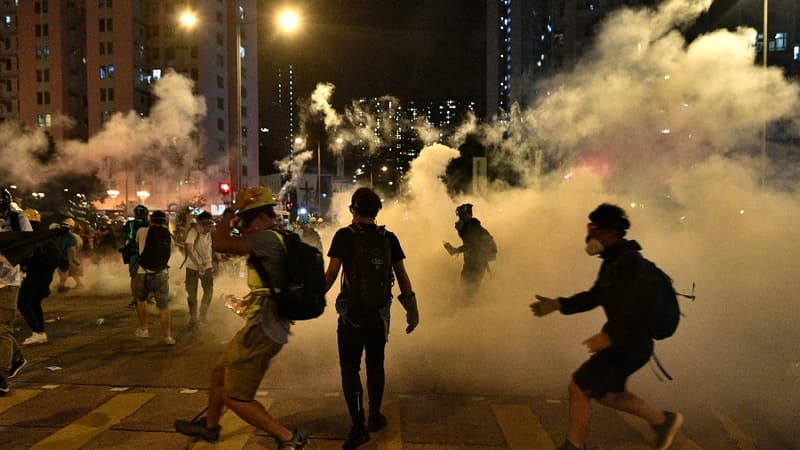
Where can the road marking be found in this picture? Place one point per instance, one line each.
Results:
(83, 430)
(522, 428)
(235, 431)
(15, 397)
(743, 441)
(392, 433)
(641, 427)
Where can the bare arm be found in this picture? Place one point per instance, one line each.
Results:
(403, 281)
(332, 272)
(223, 242)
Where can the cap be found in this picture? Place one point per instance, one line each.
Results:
(69, 221)
(608, 216)
(464, 208)
(254, 197)
(158, 217)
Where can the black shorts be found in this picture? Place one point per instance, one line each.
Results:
(608, 370)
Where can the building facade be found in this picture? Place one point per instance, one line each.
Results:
(68, 66)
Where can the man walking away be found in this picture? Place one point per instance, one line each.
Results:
(199, 264)
(129, 250)
(238, 373)
(370, 255)
(478, 248)
(624, 344)
(156, 244)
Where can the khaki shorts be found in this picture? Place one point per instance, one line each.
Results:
(246, 360)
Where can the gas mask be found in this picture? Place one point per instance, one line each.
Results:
(594, 247)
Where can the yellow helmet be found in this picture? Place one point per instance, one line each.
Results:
(32, 215)
(69, 221)
(255, 197)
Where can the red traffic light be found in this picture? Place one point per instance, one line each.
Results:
(224, 188)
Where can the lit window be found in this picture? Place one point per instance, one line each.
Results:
(110, 70)
(796, 53)
(102, 72)
(40, 120)
(48, 120)
(156, 74)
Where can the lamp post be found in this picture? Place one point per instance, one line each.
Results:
(764, 51)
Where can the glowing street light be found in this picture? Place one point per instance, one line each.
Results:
(188, 19)
(143, 195)
(113, 193)
(288, 20)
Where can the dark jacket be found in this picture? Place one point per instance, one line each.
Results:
(476, 253)
(39, 268)
(622, 294)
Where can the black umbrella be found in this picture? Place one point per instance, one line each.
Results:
(18, 245)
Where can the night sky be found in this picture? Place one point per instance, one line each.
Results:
(412, 49)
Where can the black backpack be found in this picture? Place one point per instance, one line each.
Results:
(157, 249)
(488, 248)
(303, 296)
(370, 278)
(663, 312)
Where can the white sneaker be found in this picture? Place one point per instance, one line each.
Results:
(169, 340)
(36, 338)
(142, 333)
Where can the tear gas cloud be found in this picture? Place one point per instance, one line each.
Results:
(157, 144)
(670, 124)
(658, 125)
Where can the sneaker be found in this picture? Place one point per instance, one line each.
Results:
(169, 340)
(142, 333)
(666, 431)
(36, 338)
(190, 326)
(132, 304)
(198, 429)
(297, 442)
(358, 436)
(16, 365)
(376, 422)
(3, 385)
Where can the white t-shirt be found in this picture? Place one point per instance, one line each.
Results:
(199, 246)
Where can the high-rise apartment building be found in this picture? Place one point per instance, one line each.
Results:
(42, 73)
(530, 39)
(86, 60)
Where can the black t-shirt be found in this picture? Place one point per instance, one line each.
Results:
(344, 242)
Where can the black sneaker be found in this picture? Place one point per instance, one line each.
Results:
(16, 365)
(358, 436)
(198, 430)
(297, 442)
(376, 422)
(666, 432)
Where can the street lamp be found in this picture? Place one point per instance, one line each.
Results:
(288, 20)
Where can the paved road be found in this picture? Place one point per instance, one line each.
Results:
(96, 386)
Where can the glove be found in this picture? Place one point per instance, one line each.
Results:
(544, 305)
(450, 249)
(409, 302)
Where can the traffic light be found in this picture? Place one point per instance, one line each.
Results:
(224, 188)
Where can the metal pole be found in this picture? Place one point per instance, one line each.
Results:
(764, 51)
(319, 178)
(235, 98)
